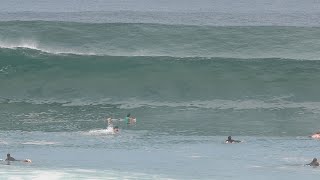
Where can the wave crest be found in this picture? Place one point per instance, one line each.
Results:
(123, 39)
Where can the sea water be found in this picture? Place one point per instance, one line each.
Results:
(192, 72)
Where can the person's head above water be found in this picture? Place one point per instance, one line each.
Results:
(314, 162)
(116, 128)
(128, 115)
(229, 138)
(9, 158)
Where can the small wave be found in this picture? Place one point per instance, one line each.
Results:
(32, 48)
(121, 53)
(3, 142)
(36, 175)
(133, 103)
(39, 143)
(196, 156)
(33, 45)
(83, 102)
(69, 173)
(29, 44)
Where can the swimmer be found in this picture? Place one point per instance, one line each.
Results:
(314, 162)
(109, 122)
(10, 158)
(110, 128)
(129, 120)
(115, 129)
(230, 140)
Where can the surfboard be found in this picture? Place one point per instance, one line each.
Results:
(316, 136)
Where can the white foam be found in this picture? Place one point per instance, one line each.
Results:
(34, 175)
(108, 131)
(53, 175)
(49, 174)
(196, 156)
(255, 166)
(32, 44)
(39, 143)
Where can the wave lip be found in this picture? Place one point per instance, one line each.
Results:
(30, 44)
(33, 45)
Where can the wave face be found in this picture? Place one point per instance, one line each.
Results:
(188, 12)
(59, 76)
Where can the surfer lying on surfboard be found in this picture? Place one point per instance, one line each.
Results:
(110, 128)
(230, 140)
(10, 158)
(314, 162)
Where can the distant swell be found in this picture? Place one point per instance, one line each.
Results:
(125, 39)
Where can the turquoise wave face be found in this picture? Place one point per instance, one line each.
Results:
(184, 82)
(122, 39)
(191, 95)
(33, 74)
(191, 72)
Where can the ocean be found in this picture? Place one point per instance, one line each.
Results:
(191, 72)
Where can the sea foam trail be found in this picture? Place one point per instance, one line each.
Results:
(58, 174)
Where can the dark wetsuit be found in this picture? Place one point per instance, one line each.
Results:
(10, 159)
(314, 163)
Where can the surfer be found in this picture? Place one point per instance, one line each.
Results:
(109, 122)
(129, 120)
(110, 128)
(314, 162)
(115, 129)
(10, 158)
(230, 140)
